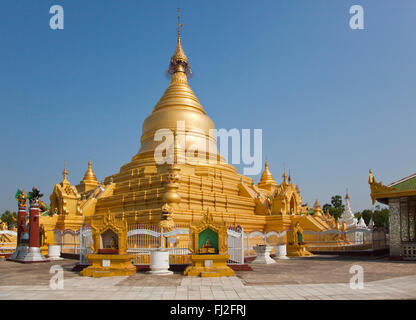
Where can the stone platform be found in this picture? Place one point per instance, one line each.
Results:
(313, 278)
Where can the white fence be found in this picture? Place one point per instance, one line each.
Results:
(85, 244)
(143, 238)
(235, 240)
(358, 239)
(69, 240)
(271, 238)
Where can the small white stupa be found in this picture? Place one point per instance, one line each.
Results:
(347, 216)
(371, 224)
(361, 223)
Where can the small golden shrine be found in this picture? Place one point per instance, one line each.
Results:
(295, 244)
(209, 249)
(110, 256)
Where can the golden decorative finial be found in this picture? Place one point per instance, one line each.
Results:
(179, 61)
(284, 176)
(346, 195)
(266, 178)
(370, 177)
(65, 174)
(317, 205)
(90, 175)
(179, 22)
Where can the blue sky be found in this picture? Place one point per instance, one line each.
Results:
(332, 102)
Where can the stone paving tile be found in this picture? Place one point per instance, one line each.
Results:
(323, 269)
(144, 287)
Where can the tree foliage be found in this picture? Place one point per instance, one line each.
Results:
(9, 218)
(380, 216)
(336, 208)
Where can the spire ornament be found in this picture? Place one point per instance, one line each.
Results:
(65, 181)
(284, 176)
(266, 179)
(179, 61)
(89, 174)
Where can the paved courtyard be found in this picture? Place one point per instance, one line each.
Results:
(316, 278)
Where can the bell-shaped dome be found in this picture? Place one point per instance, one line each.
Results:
(89, 181)
(89, 175)
(317, 209)
(317, 205)
(178, 110)
(266, 180)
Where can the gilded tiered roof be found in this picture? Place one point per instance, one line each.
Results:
(267, 180)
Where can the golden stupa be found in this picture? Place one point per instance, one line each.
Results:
(145, 191)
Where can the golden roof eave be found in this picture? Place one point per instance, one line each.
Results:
(381, 193)
(384, 196)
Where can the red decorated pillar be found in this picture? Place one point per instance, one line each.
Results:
(34, 225)
(21, 219)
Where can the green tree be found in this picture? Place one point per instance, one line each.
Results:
(336, 208)
(367, 215)
(326, 207)
(9, 218)
(380, 216)
(336, 202)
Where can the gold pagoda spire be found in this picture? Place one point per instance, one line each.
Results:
(178, 103)
(317, 205)
(89, 181)
(346, 195)
(317, 209)
(65, 181)
(266, 178)
(89, 176)
(284, 176)
(179, 61)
